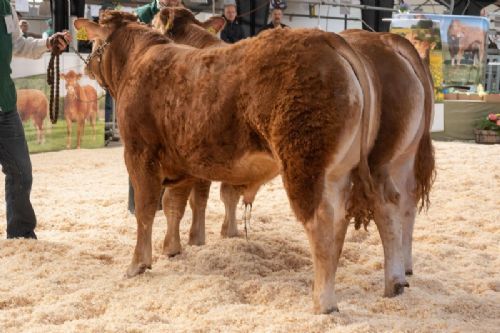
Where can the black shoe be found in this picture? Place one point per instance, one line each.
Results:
(29, 235)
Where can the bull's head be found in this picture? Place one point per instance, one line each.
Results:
(174, 21)
(455, 30)
(100, 33)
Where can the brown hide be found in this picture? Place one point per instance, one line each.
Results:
(181, 25)
(286, 101)
(400, 70)
(402, 159)
(464, 38)
(33, 104)
(208, 110)
(80, 105)
(406, 81)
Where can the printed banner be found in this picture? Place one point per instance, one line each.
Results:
(453, 45)
(81, 105)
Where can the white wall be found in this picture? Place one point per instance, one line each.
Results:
(324, 24)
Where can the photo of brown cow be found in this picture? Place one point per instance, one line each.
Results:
(80, 117)
(33, 104)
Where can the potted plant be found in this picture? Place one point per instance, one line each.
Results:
(488, 129)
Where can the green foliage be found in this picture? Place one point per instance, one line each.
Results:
(485, 124)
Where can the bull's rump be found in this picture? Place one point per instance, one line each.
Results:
(31, 103)
(285, 93)
(396, 63)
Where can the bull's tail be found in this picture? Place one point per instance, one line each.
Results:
(424, 167)
(425, 163)
(360, 202)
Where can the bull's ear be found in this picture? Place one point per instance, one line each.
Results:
(214, 24)
(62, 76)
(94, 31)
(78, 76)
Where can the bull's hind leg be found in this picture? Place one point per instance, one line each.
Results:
(405, 178)
(326, 233)
(147, 185)
(387, 219)
(198, 202)
(174, 205)
(230, 196)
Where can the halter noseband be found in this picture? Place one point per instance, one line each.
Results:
(98, 53)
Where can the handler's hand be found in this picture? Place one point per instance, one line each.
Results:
(59, 40)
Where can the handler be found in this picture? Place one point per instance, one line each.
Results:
(14, 155)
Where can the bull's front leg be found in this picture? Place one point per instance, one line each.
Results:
(174, 205)
(198, 202)
(230, 196)
(147, 185)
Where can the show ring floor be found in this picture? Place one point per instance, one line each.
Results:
(72, 278)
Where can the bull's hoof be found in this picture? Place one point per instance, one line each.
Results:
(399, 288)
(134, 270)
(229, 233)
(331, 310)
(325, 303)
(171, 248)
(196, 241)
(328, 310)
(409, 272)
(171, 251)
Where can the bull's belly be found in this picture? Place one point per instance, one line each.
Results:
(252, 168)
(248, 172)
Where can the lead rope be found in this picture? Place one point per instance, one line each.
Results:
(53, 80)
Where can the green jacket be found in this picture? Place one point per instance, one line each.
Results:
(13, 44)
(7, 88)
(146, 13)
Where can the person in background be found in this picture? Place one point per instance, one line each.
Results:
(277, 15)
(147, 12)
(24, 26)
(232, 31)
(50, 31)
(14, 154)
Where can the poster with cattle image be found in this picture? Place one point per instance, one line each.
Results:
(453, 45)
(80, 122)
(425, 35)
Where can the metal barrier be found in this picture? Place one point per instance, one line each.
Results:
(492, 82)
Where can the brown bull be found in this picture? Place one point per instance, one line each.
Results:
(188, 114)
(402, 159)
(33, 104)
(80, 105)
(465, 38)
